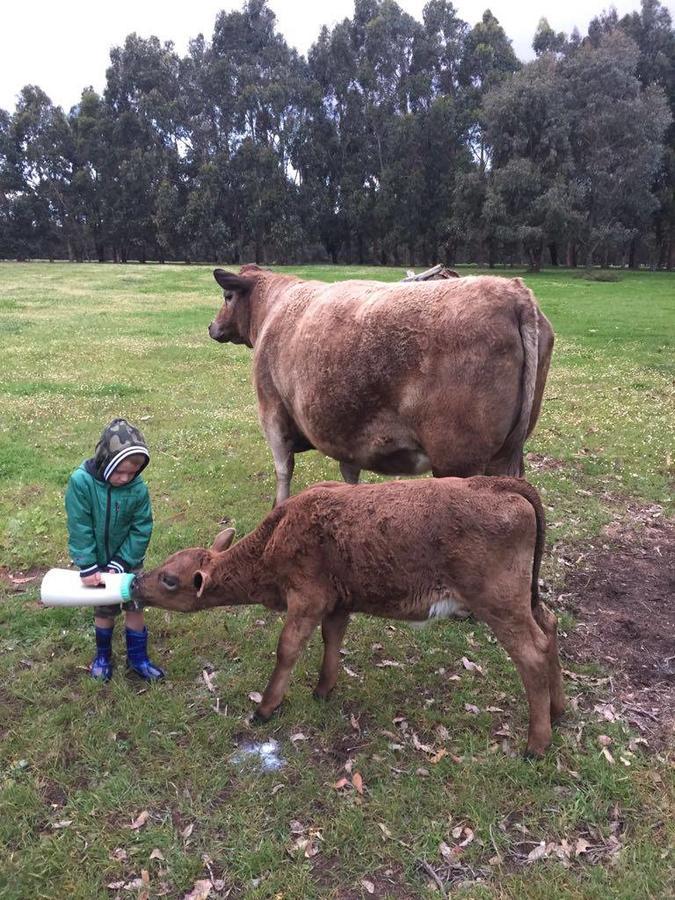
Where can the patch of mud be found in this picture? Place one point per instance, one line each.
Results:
(18, 582)
(622, 592)
(540, 463)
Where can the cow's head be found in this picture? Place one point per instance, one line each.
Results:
(181, 581)
(233, 322)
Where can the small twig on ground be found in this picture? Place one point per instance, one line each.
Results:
(430, 871)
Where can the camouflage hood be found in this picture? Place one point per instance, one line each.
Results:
(119, 440)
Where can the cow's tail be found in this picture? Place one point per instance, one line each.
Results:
(528, 325)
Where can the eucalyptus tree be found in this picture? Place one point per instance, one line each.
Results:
(145, 124)
(487, 60)
(616, 130)
(527, 129)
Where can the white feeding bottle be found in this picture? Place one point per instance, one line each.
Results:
(63, 587)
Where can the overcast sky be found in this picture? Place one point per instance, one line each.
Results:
(64, 45)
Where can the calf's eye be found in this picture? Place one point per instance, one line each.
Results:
(170, 582)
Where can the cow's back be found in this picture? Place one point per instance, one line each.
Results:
(369, 370)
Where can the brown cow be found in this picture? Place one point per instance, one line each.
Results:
(395, 378)
(410, 550)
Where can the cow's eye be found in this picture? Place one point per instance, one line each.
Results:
(170, 582)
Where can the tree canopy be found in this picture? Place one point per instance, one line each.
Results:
(394, 141)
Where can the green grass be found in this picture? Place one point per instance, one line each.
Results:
(82, 344)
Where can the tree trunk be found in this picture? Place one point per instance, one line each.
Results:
(553, 251)
(632, 253)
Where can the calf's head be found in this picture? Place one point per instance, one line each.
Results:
(180, 582)
(233, 322)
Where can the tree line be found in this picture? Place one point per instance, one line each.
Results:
(394, 141)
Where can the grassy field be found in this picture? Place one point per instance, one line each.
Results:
(124, 791)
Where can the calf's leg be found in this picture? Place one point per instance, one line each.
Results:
(527, 645)
(296, 632)
(333, 630)
(548, 623)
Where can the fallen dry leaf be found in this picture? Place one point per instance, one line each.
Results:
(341, 783)
(604, 740)
(470, 707)
(471, 666)
(298, 737)
(255, 696)
(354, 722)
(389, 664)
(418, 745)
(357, 781)
(22, 580)
(140, 821)
(368, 885)
(187, 831)
(64, 823)
(384, 829)
(539, 852)
(120, 854)
(437, 757)
(608, 756)
(447, 852)
(157, 854)
(581, 846)
(200, 890)
(208, 680)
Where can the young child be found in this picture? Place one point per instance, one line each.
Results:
(109, 528)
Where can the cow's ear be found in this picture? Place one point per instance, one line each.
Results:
(231, 282)
(223, 540)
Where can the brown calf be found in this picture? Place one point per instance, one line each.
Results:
(409, 550)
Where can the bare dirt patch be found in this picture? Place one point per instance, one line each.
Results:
(621, 590)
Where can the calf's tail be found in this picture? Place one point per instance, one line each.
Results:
(526, 490)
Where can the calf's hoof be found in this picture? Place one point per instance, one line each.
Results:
(321, 695)
(261, 718)
(530, 753)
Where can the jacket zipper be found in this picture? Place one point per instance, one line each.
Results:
(106, 537)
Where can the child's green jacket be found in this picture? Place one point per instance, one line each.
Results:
(107, 524)
(109, 527)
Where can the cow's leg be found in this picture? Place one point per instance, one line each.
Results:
(294, 635)
(548, 623)
(281, 445)
(333, 630)
(350, 473)
(513, 466)
(528, 647)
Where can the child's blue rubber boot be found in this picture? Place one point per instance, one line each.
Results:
(137, 656)
(101, 667)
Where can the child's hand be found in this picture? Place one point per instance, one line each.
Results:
(93, 580)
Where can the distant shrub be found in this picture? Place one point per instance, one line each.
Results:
(600, 276)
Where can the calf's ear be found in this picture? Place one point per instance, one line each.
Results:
(201, 581)
(223, 540)
(231, 282)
